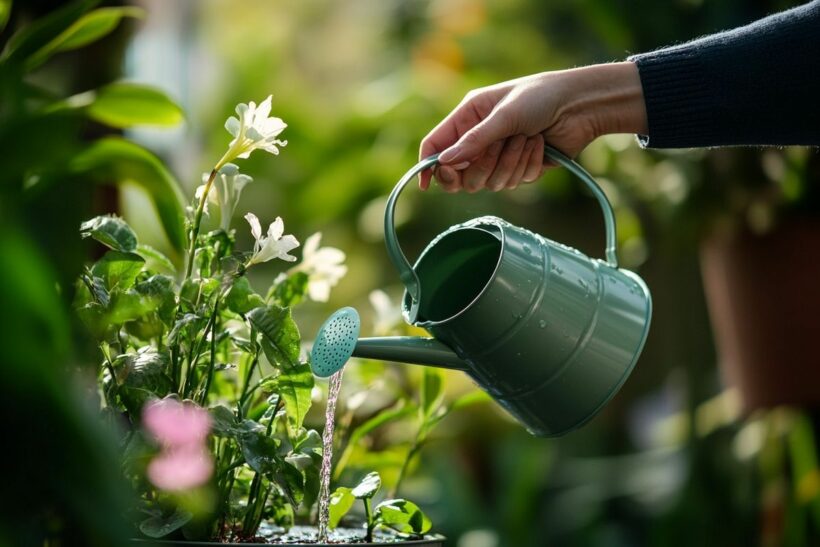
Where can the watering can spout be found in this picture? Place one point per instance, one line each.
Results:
(417, 350)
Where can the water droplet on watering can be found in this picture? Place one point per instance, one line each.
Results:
(542, 323)
(527, 249)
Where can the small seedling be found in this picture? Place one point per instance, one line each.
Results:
(401, 515)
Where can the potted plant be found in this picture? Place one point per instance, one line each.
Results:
(206, 378)
(753, 217)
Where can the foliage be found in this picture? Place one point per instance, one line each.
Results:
(203, 335)
(78, 497)
(399, 514)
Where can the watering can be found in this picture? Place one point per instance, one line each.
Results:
(548, 332)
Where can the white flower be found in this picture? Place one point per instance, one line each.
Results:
(274, 245)
(228, 184)
(388, 314)
(211, 196)
(252, 129)
(323, 266)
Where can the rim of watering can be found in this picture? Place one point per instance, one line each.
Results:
(402, 264)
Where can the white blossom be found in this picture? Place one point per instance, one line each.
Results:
(253, 128)
(388, 313)
(229, 184)
(227, 187)
(274, 244)
(324, 267)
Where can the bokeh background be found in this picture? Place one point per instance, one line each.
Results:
(673, 460)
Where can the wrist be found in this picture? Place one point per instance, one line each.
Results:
(607, 98)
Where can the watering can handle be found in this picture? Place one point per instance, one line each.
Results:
(406, 273)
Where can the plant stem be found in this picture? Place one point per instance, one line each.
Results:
(251, 507)
(110, 367)
(368, 519)
(197, 221)
(194, 354)
(405, 465)
(213, 353)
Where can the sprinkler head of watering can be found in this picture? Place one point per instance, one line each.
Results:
(338, 340)
(335, 342)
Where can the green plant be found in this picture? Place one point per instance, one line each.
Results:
(399, 514)
(55, 143)
(174, 343)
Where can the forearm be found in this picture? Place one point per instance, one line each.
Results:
(755, 85)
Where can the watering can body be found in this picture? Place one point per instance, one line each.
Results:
(548, 332)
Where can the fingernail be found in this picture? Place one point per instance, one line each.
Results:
(461, 166)
(450, 155)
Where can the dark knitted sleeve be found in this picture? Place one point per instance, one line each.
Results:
(754, 85)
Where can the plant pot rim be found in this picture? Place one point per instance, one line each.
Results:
(430, 540)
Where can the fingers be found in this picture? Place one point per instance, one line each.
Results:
(476, 175)
(471, 145)
(507, 163)
(535, 161)
(448, 178)
(521, 166)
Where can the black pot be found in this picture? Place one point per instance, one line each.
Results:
(429, 540)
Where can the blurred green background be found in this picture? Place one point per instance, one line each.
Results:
(670, 461)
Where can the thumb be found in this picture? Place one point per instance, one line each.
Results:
(493, 128)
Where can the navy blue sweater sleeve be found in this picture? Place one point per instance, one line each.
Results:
(754, 85)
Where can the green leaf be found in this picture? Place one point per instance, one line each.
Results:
(340, 503)
(471, 398)
(241, 297)
(262, 455)
(34, 36)
(155, 260)
(432, 392)
(118, 269)
(289, 290)
(184, 327)
(89, 28)
(111, 231)
(142, 376)
(159, 526)
(5, 11)
(128, 306)
(291, 481)
(259, 450)
(91, 288)
(223, 421)
(158, 290)
(280, 335)
(403, 516)
(115, 159)
(295, 386)
(368, 486)
(195, 292)
(125, 104)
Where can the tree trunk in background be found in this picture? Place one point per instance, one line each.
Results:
(763, 293)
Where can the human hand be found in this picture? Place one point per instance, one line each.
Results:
(495, 138)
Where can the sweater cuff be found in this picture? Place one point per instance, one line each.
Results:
(677, 95)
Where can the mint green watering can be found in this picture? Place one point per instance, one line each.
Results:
(548, 332)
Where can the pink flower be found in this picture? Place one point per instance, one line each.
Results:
(181, 468)
(181, 429)
(176, 424)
